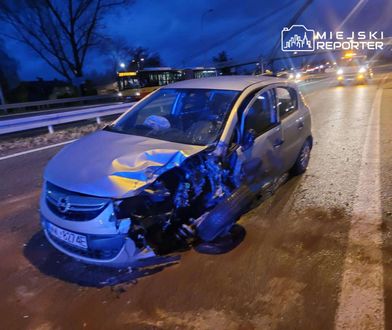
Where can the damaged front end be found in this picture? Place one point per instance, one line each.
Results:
(172, 212)
(167, 209)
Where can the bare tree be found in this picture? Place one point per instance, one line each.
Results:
(141, 57)
(9, 78)
(118, 51)
(221, 57)
(61, 32)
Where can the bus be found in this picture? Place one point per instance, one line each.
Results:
(134, 85)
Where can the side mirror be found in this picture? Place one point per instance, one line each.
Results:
(248, 139)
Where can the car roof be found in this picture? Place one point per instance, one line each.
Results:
(235, 83)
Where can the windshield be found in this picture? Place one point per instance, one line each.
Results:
(189, 116)
(129, 83)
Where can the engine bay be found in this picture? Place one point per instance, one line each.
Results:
(165, 216)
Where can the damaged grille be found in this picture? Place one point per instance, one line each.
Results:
(73, 206)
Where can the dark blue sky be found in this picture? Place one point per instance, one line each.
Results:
(173, 28)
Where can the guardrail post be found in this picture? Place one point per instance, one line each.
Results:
(98, 120)
(50, 129)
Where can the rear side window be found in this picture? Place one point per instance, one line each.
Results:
(286, 101)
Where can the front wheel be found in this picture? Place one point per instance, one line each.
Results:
(302, 161)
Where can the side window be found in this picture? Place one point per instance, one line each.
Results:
(286, 100)
(262, 115)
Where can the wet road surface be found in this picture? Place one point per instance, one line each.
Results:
(288, 272)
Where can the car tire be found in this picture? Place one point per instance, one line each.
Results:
(301, 164)
(223, 216)
(223, 244)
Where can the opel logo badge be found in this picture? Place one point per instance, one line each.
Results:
(63, 204)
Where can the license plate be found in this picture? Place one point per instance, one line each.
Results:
(67, 236)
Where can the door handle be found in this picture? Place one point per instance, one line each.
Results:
(300, 125)
(278, 143)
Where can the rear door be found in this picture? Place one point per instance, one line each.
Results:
(292, 124)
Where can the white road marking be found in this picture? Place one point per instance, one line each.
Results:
(361, 300)
(35, 150)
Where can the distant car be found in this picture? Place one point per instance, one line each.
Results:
(316, 69)
(179, 167)
(353, 70)
(292, 75)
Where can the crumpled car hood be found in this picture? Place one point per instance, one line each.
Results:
(114, 165)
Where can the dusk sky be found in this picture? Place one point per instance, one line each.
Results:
(173, 28)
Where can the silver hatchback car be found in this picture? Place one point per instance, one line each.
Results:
(179, 167)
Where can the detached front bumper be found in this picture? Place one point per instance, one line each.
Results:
(106, 245)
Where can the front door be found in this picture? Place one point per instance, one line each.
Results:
(262, 161)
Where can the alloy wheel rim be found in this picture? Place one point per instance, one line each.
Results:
(304, 159)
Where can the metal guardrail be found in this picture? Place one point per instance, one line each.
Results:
(49, 120)
(47, 104)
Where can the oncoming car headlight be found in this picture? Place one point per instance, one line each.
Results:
(291, 76)
(298, 76)
(362, 70)
(340, 71)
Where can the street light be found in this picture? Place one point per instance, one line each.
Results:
(122, 65)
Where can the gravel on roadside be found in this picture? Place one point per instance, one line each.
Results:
(19, 144)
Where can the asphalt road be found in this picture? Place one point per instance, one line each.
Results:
(291, 271)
